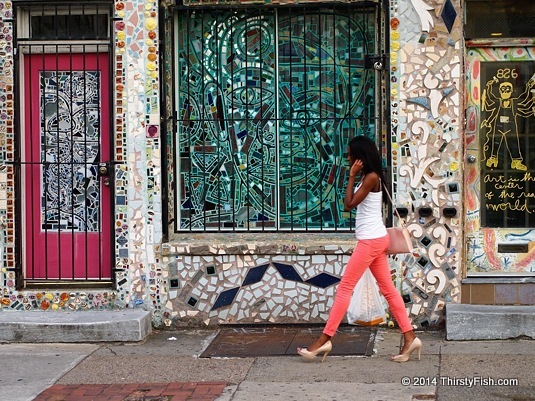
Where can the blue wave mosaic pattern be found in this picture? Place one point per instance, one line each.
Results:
(256, 274)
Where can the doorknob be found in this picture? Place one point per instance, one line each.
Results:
(103, 169)
(471, 159)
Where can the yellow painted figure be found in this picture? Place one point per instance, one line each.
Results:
(503, 121)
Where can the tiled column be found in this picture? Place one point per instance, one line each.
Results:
(7, 185)
(138, 147)
(426, 104)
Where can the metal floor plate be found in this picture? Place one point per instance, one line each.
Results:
(255, 341)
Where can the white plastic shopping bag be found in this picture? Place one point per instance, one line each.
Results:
(367, 306)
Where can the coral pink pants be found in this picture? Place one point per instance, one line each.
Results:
(368, 253)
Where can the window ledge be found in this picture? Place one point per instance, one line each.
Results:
(260, 243)
(499, 280)
(498, 42)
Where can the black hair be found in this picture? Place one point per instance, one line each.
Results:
(365, 150)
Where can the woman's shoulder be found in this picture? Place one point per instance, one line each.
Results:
(372, 177)
(371, 180)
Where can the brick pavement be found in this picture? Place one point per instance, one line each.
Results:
(177, 391)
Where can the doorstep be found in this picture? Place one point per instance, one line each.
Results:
(489, 322)
(75, 327)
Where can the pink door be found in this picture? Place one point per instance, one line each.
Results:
(67, 135)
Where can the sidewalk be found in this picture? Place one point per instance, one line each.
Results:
(169, 360)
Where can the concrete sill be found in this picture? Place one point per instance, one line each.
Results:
(499, 280)
(264, 243)
(489, 322)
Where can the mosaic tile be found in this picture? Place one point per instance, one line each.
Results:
(323, 280)
(225, 298)
(448, 14)
(287, 271)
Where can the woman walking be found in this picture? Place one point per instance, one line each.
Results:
(373, 241)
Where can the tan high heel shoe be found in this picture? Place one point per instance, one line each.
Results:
(311, 355)
(415, 345)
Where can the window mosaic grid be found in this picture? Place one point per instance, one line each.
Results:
(267, 102)
(70, 148)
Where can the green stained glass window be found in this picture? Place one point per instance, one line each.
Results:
(267, 102)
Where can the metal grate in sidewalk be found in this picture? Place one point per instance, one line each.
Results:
(256, 341)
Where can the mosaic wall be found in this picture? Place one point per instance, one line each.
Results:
(7, 134)
(218, 281)
(137, 42)
(427, 139)
(251, 281)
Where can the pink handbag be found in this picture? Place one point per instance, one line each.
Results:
(400, 240)
(400, 237)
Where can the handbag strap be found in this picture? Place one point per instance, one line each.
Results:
(393, 206)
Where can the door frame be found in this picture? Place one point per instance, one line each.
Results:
(63, 254)
(23, 42)
(486, 255)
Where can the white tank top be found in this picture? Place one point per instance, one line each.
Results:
(369, 219)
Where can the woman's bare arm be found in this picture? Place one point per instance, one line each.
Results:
(352, 199)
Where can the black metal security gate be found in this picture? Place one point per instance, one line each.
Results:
(267, 100)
